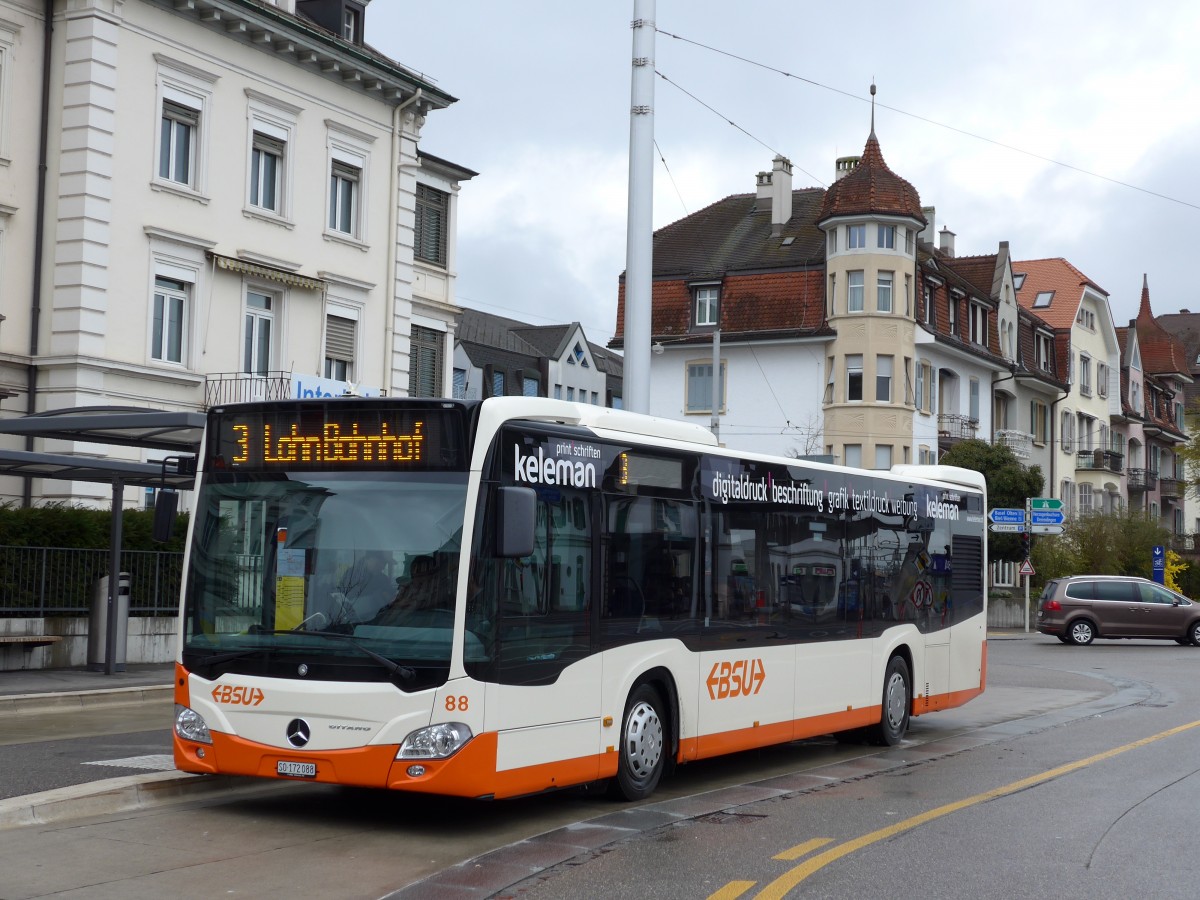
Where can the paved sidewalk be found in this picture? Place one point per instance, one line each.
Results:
(29, 691)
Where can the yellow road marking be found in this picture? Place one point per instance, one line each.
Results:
(778, 888)
(732, 891)
(802, 849)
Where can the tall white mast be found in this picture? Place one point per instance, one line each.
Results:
(639, 248)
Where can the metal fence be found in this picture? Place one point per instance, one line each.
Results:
(58, 581)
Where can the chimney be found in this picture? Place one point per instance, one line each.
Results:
(946, 241)
(844, 166)
(927, 233)
(781, 193)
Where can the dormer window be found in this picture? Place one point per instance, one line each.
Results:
(351, 28)
(342, 17)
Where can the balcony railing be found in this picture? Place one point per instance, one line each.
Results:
(1099, 460)
(956, 427)
(1142, 479)
(1168, 488)
(242, 387)
(1019, 442)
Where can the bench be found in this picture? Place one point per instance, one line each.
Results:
(30, 640)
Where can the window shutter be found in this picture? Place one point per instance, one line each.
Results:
(339, 338)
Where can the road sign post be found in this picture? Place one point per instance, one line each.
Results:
(1158, 564)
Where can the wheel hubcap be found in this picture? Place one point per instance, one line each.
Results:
(895, 700)
(1082, 632)
(643, 740)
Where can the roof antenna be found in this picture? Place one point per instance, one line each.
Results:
(872, 105)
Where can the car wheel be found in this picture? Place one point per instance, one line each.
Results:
(1194, 632)
(1081, 632)
(642, 752)
(897, 703)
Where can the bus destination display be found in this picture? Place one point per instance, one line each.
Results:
(331, 438)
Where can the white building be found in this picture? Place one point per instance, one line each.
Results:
(234, 206)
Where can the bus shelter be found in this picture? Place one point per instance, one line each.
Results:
(177, 434)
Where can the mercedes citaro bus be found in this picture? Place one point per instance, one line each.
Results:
(573, 595)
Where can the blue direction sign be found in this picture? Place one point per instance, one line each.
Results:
(1045, 517)
(1008, 516)
(1158, 560)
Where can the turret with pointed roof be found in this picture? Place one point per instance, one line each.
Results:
(871, 188)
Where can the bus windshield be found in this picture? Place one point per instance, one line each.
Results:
(341, 571)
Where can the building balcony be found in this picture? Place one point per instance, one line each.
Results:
(955, 427)
(1099, 460)
(242, 387)
(1183, 543)
(1170, 489)
(1019, 442)
(1142, 480)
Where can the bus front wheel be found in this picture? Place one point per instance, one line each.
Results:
(642, 752)
(897, 703)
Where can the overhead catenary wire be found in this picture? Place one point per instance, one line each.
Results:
(921, 118)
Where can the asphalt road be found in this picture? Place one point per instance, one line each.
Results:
(717, 828)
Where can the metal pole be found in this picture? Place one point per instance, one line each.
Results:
(1028, 531)
(639, 248)
(114, 575)
(716, 383)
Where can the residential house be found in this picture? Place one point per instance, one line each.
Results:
(1088, 458)
(496, 356)
(235, 206)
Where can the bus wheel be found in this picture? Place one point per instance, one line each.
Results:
(642, 748)
(897, 703)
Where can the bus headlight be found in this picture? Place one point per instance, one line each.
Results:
(190, 725)
(435, 741)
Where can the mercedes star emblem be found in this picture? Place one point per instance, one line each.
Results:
(298, 732)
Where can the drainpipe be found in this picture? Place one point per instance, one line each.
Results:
(393, 213)
(1054, 439)
(35, 303)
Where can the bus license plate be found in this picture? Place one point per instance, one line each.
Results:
(296, 769)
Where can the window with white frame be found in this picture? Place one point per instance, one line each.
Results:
(1043, 348)
(1085, 497)
(1039, 421)
(973, 399)
(883, 456)
(1085, 375)
(1043, 299)
(1067, 495)
(883, 378)
(1067, 429)
(908, 295)
(854, 291)
(425, 357)
(184, 98)
(340, 341)
(953, 320)
(1086, 318)
(700, 386)
(926, 456)
(349, 164)
(854, 377)
(883, 292)
(886, 237)
(258, 336)
(707, 300)
(927, 293)
(908, 241)
(169, 318)
(433, 215)
(830, 380)
(831, 239)
(920, 386)
(853, 454)
(856, 237)
(8, 39)
(266, 172)
(978, 323)
(459, 377)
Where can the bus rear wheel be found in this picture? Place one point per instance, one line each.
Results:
(642, 752)
(897, 704)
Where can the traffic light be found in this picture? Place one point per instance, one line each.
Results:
(1025, 538)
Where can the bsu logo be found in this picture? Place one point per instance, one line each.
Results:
(736, 679)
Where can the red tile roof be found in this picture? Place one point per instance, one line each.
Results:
(871, 187)
(1056, 275)
(1162, 352)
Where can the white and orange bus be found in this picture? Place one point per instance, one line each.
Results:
(491, 599)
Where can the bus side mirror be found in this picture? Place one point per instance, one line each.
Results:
(516, 521)
(166, 505)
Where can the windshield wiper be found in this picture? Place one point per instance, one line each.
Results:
(394, 668)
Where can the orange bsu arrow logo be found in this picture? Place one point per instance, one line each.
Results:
(238, 696)
(736, 679)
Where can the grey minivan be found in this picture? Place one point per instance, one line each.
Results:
(1080, 608)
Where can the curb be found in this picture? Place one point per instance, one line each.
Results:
(68, 701)
(117, 795)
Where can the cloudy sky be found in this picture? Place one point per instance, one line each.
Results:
(1068, 129)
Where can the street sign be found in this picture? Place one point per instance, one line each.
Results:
(1007, 527)
(1045, 503)
(1158, 562)
(1046, 529)
(1007, 516)
(1046, 517)
(1026, 568)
